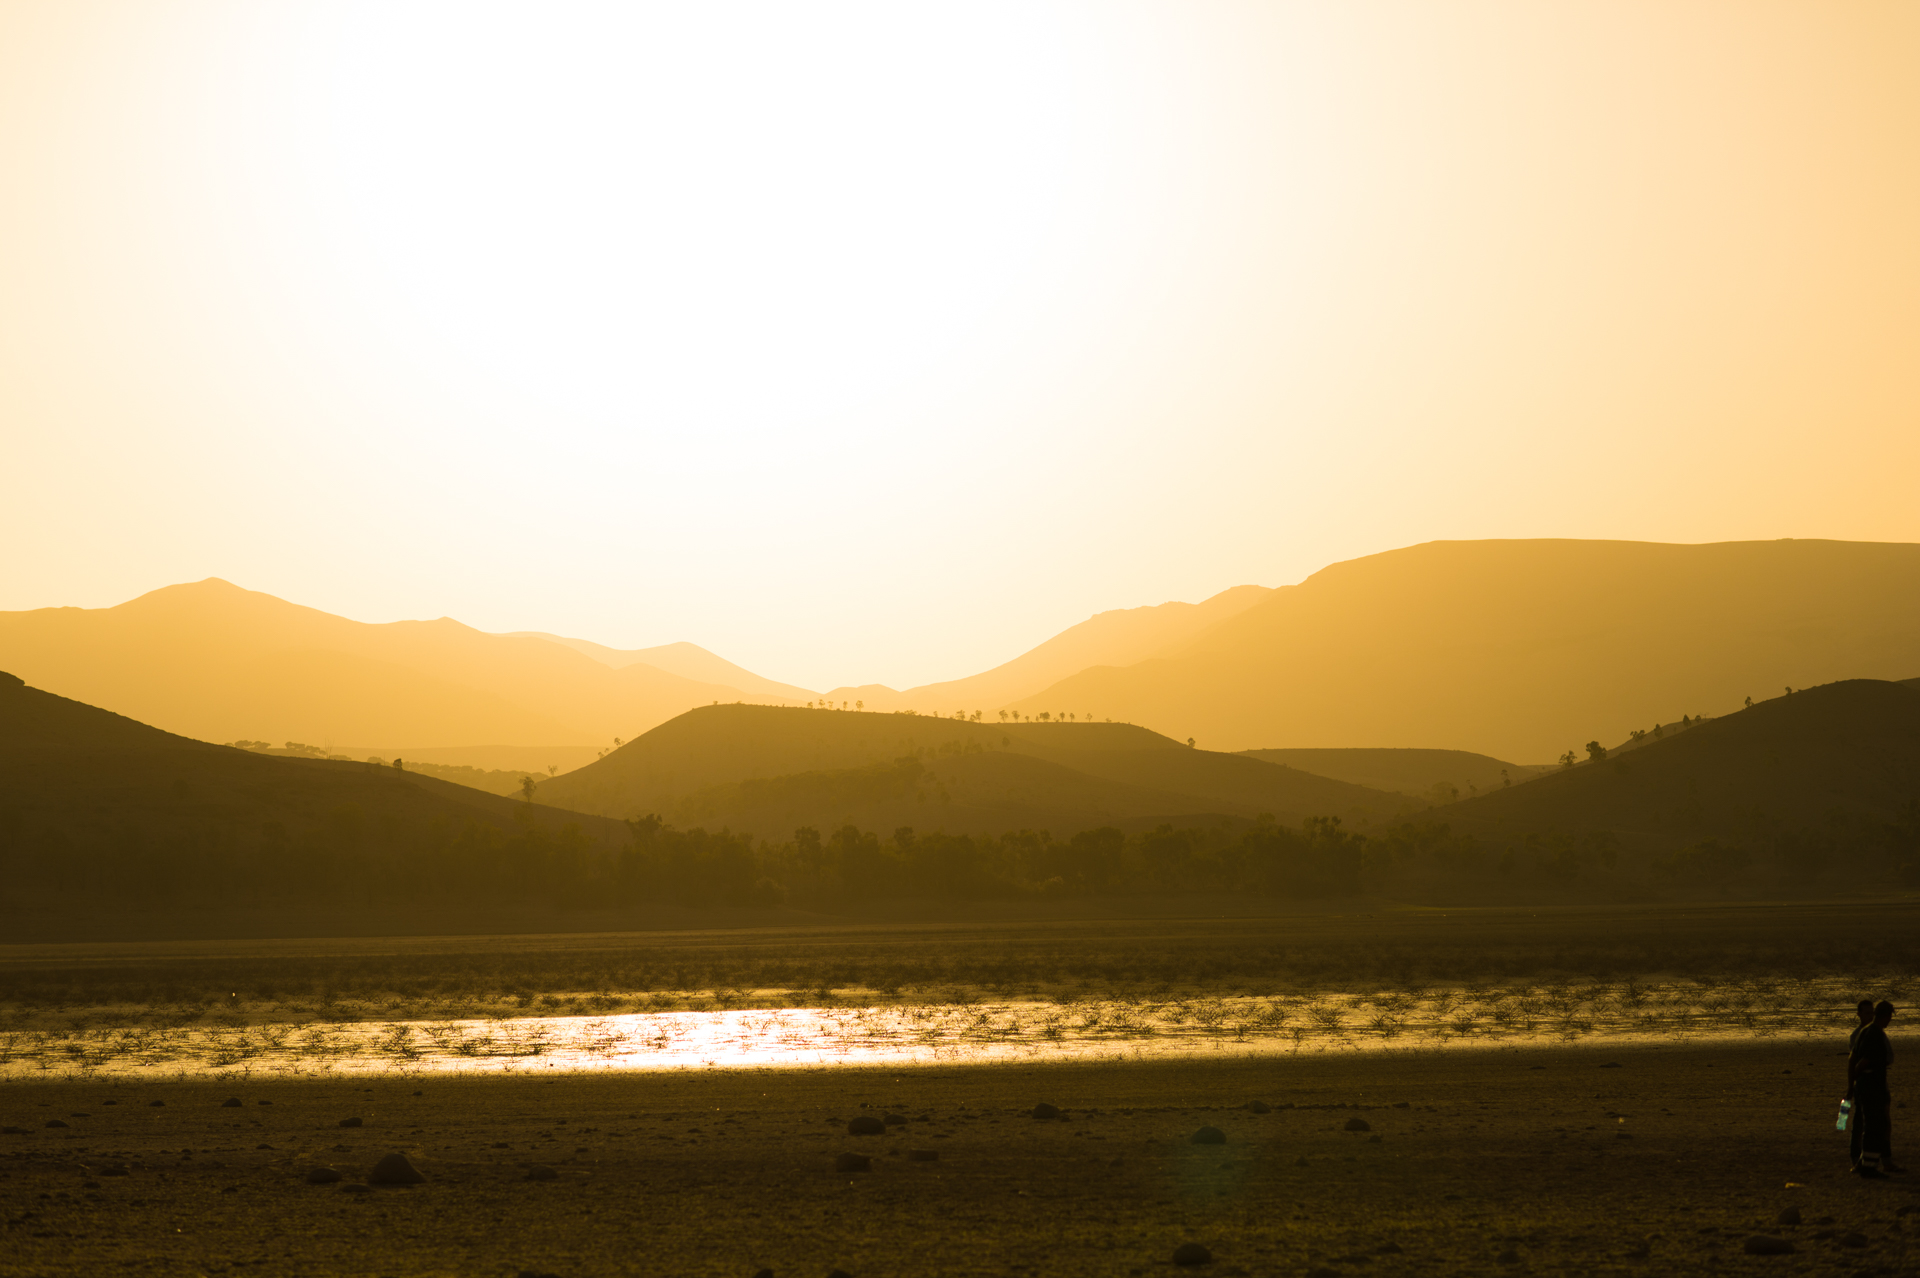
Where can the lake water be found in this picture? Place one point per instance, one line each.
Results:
(923, 1033)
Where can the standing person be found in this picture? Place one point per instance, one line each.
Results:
(1867, 1067)
(1864, 1010)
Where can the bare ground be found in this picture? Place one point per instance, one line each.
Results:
(1586, 1160)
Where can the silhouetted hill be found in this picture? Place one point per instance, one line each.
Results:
(97, 805)
(219, 663)
(1521, 649)
(1825, 766)
(770, 769)
(1118, 637)
(1423, 773)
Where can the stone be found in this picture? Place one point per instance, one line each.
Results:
(1046, 1111)
(852, 1163)
(1209, 1136)
(394, 1169)
(13, 1131)
(323, 1176)
(54, 1122)
(355, 1189)
(923, 1155)
(839, 1273)
(156, 1104)
(1374, 1139)
(231, 1102)
(263, 1102)
(114, 1169)
(1788, 1216)
(866, 1125)
(893, 1120)
(1359, 1125)
(1766, 1245)
(1259, 1107)
(542, 1173)
(1191, 1253)
(351, 1122)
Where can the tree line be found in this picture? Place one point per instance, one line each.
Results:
(349, 858)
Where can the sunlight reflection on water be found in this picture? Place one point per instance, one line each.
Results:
(897, 1035)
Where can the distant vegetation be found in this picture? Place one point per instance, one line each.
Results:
(1318, 859)
(491, 780)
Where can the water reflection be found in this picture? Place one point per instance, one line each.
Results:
(916, 1034)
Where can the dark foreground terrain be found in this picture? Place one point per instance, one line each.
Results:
(1655, 1160)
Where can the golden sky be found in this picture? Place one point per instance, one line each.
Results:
(876, 343)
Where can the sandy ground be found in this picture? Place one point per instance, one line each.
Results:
(1593, 1160)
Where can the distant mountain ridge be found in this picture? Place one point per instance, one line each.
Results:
(1521, 649)
(688, 660)
(213, 661)
(1502, 649)
(1119, 637)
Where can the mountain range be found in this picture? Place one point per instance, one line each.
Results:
(1521, 649)
(1506, 650)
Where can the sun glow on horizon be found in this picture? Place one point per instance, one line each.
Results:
(864, 343)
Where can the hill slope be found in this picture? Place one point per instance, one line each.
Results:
(1522, 649)
(1838, 762)
(1404, 771)
(770, 769)
(219, 663)
(100, 805)
(1118, 637)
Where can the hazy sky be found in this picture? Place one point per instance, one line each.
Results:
(878, 343)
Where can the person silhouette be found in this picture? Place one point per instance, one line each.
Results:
(1872, 1099)
(1864, 1010)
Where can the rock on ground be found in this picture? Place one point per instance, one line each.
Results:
(394, 1169)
